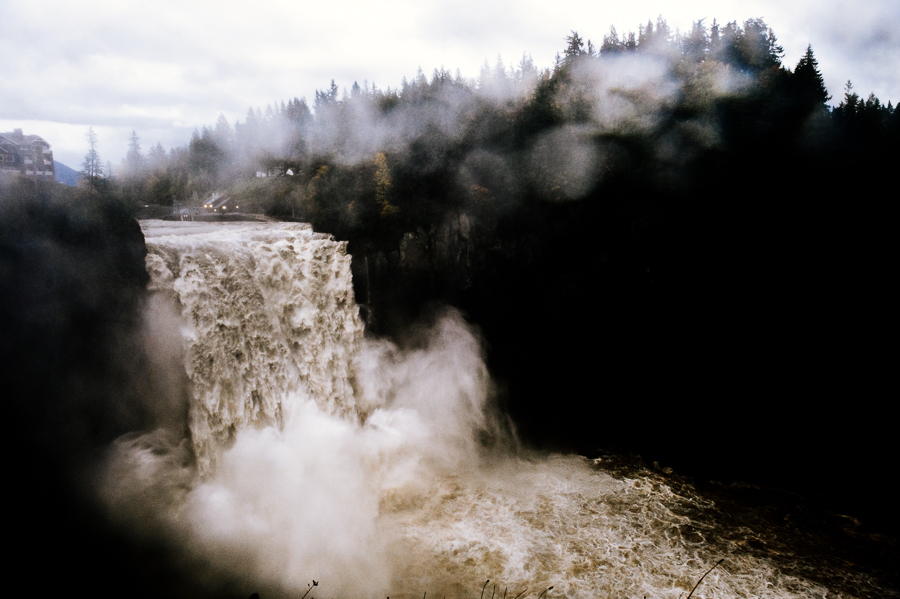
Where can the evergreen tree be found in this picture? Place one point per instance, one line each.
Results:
(695, 45)
(715, 42)
(157, 156)
(484, 75)
(756, 47)
(526, 72)
(327, 98)
(663, 33)
(133, 158)
(645, 35)
(133, 164)
(574, 48)
(611, 43)
(224, 135)
(91, 167)
(499, 70)
(849, 106)
(808, 82)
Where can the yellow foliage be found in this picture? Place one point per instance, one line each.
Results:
(321, 172)
(383, 185)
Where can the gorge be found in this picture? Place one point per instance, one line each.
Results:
(235, 430)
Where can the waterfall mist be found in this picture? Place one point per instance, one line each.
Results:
(299, 426)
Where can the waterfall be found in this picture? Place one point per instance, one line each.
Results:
(269, 312)
(323, 454)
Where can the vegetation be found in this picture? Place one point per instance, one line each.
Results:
(644, 114)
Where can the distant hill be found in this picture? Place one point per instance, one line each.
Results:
(66, 175)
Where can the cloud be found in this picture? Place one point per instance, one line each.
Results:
(177, 65)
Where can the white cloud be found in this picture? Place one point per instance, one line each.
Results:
(145, 66)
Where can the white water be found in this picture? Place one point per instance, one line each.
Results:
(321, 454)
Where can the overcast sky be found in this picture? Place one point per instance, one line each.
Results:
(163, 68)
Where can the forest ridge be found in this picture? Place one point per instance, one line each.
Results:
(651, 101)
(620, 87)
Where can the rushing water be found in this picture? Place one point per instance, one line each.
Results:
(317, 453)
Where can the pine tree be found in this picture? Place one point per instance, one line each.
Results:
(526, 72)
(715, 42)
(91, 168)
(611, 43)
(134, 160)
(575, 47)
(695, 45)
(808, 82)
(849, 107)
(157, 156)
(631, 42)
(757, 47)
(224, 135)
(645, 35)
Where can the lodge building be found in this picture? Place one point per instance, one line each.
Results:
(29, 155)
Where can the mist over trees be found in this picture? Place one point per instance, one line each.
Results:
(653, 101)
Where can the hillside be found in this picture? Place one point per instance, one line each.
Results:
(65, 174)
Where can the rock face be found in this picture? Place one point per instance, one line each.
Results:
(598, 314)
(73, 283)
(72, 286)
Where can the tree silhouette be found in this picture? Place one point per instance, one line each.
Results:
(134, 159)
(91, 167)
(574, 47)
(809, 86)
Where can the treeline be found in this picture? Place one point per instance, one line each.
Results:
(395, 160)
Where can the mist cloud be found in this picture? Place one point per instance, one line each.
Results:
(289, 504)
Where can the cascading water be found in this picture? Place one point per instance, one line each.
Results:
(322, 454)
(270, 314)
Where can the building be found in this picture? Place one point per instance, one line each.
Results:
(29, 155)
(220, 204)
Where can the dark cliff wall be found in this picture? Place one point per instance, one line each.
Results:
(72, 287)
(708, 339)
(73, 280)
